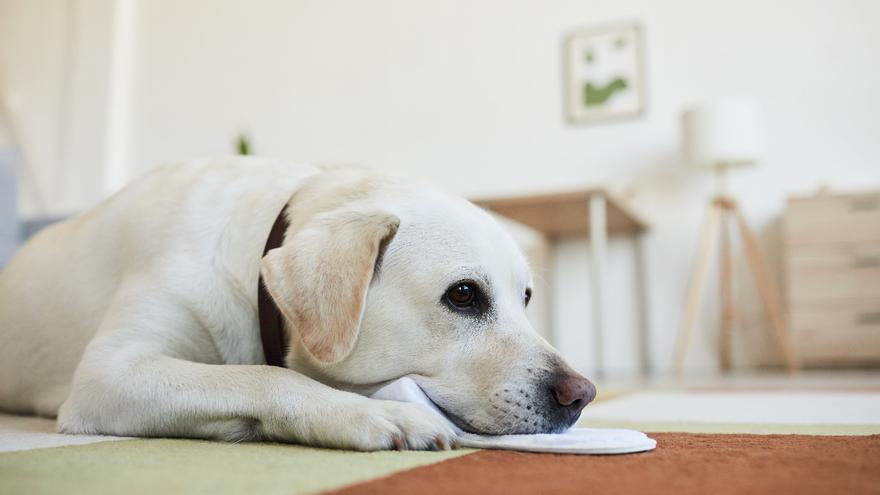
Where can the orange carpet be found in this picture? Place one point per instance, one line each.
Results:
(683, 463)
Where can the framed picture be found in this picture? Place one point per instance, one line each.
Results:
(604, 73)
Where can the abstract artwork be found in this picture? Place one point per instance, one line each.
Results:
(604, 73)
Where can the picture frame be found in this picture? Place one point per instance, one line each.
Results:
(604, 73)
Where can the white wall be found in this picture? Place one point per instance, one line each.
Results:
(468, 94)
(54, 56)
(31, 70)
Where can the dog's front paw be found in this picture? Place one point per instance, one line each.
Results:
(384, 425)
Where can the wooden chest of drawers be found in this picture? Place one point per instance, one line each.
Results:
(832, 274)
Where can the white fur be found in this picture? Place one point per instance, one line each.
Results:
(139, 317)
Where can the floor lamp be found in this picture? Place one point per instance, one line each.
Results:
(721, 136)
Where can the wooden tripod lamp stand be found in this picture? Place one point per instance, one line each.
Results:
(721, 136)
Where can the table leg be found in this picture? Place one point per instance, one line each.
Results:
(641, 288)
(598, 253)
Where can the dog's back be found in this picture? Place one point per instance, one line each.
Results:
(56, 290)
(52, 297)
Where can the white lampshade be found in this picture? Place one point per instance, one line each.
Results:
(723, 134)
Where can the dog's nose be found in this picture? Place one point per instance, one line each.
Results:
(573, 392)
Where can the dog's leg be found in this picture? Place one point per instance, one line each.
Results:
(136, 380)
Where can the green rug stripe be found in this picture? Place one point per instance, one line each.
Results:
(754, 428)
(151, 466)
(166, 466)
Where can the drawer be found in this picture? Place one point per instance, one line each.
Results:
(832, 219)
(847, 334)
(833, 272)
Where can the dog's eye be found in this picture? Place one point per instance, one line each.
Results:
(528, 296)
(467, 298)
(462, 295)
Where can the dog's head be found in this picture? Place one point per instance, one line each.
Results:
(379, 281)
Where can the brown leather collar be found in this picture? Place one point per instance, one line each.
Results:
(271, 320)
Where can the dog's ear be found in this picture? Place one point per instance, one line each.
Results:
(320, 276)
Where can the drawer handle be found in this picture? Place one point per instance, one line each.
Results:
(870, 261)
(864, 204)
(868, 318)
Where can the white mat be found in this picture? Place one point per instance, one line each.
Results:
(771, 407)
(572, 441)
(26, 432)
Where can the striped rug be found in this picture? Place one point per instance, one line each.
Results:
(709, 441)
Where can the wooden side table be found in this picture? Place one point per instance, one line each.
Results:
(598, 215)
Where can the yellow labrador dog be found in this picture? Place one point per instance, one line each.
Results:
(140, 317)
